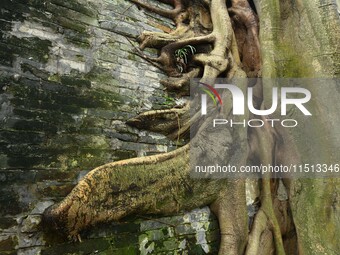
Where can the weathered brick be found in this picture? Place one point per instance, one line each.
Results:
(69, 81)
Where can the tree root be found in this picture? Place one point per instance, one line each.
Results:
(112, 191)
(245, 23)
(233, 226)
(181, 84)
(171, 14)
(264, 149)
(168, 122)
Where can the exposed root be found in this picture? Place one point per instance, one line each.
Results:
(167, 122)
(171, 14)
(245, 23)
(156, 39)
(233, 226)
(259, 226)
(264, 149)
(267, 207)
(181, 84)
(112, 191)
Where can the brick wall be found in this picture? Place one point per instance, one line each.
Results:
(69, 79)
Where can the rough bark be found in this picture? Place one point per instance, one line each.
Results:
(115, 190)
(301, 40)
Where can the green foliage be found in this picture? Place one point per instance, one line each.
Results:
(182, 56)
(169, 102)
(184, 52)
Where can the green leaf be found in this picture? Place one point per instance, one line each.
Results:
(192, 49)
(185, 59)
(184, 52)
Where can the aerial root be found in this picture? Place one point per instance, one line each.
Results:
(246, 26)
(264, 146)
(182, 83)
(171, 14)
(167, 122)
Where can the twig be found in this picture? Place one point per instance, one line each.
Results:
(140, 54)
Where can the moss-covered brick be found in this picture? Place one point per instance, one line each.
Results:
(6, 57)
(130, 250)
(14, 252)
(28, 162)
(36, 4)
(69, 80)
(30, 125)
(48, 116)
(124, 240)
(196, 249)
(43, 175)
(124, 136)
(35, 71)
(70, 24)
(164, 223)
(7, 222)
(112, 229)
(56, 190)
(77, 17)
(16, 176)
(184, 229)
(8, 244)
(85, 247)
(213, 223)
(86, 9)
(58, 99)
(124, 154)
(25, 149)
(212, 235)
(4, 26)
(24, 86)
(154, 235)
(26, 137)
(101, 74)
(171, 244)
(13, 10)
(32, 48)
(9, 202)
(214, 247)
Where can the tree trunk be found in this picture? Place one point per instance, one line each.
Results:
(304, 42)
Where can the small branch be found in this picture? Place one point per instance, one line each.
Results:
(171, 14)
(152, 61)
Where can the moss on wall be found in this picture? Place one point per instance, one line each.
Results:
(69, 80)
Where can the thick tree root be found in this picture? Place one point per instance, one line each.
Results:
(171, 14)
(233, 227)
(245, 23)
(181, 84)
(157, 184)
(167, 122)
(264, 149)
